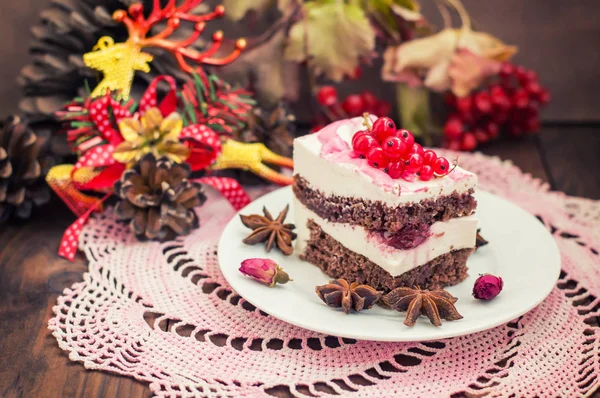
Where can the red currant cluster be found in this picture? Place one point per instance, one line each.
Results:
(395, 151)
(353, 105)
(512, 102)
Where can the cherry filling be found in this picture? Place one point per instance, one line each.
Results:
(409, 237)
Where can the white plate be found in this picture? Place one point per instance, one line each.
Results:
(521, 251)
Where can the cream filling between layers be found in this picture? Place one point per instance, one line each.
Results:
(457, 233)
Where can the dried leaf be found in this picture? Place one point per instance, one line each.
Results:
(334, 36)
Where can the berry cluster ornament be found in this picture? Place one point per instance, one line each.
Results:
(396, 152)
(353, 105)
(510, 103)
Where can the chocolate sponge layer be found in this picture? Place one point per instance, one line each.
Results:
(339, 262)
(377, 215)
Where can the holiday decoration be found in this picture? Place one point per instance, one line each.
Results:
(435, 304)
(119, 61)
(24, 162)
(339, 293)
(509, 102)
(273, 127)
(158, 198)
(66, 31)
(264, 271)
(271, 230)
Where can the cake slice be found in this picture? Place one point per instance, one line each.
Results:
(356, 222)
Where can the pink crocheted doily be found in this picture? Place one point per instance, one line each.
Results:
(164, 314)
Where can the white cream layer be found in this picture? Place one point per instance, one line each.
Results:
(457, 233)
(327, 173)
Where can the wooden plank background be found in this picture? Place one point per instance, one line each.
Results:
(559, 39)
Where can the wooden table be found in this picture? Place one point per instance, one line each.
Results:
(32, 276)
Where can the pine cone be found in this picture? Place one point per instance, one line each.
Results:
(273, 127)
(69, 29)
(158, 199)
(24, 163)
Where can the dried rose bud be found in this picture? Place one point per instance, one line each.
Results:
(264, 270)
(487, 287)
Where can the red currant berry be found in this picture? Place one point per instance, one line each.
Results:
(544, 97)
(383, 128)
(327, 96)
(395, 169)
(413, 163)
(317, 128)
(453, 145)
(507, 70)
(453, 127)
(384, 108)
(394, 148)
(408, 175)
(416, 148)
(450, 100)
(532, 76)
(353, 105)
(356, 74)
(532, 124)
(429, 157)
(360, 133)
(520, 98)
(441, 166)
(464, 105)
(521, 74)
(370, 100)
(406, 136)
(377, 158)
(468, 142)
(482, 102)
(481, 136)
(426, 173)
(364, 143)
(492, 130)
(534, 89)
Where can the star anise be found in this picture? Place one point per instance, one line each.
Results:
(479, 240)
(436, 304)
(339, 293)
(273, 231)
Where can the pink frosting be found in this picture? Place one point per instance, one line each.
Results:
(337, 150)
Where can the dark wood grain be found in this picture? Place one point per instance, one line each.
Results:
(31, 278)
(572, 155)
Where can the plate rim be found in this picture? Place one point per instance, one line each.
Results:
(443, 334)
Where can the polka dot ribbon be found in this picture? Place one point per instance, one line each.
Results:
(228, 187)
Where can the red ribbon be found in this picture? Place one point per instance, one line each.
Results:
(228, 187)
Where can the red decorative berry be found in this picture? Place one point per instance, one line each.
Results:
(353, 105)
(468, 142)
(395, 169)
(426, 172)
(317, 127)
(453, 127)
(544, 97)
(482, 102)
(370, 100)
(429, 157)
(534, 89)
(360, 133)
(408, 175)
(394, 148)
(507, 70)
(377, 158)
(383, 128)
(413, 163)
(492, 130)
(464, 105)
(416, 148)
(441, 166)
(520, 98)
(384, 108)
(327, 96)
(406, 136)
(364, 142)
(453, 145)
(481, 136)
